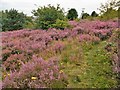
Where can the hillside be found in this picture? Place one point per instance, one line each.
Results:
(82, 56)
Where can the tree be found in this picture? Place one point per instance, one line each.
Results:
(29, 22)
(109, 14)
(85, 15)
(12, 20)
(47, 15)
(108, 5)
(109, 10)
(94, 14)
(61, 24)
(72, 14)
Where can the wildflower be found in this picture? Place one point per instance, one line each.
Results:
(61, 71)
(4, 75)
(33, 78)
(61, 63)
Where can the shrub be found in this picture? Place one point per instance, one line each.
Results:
(12, 20)
(35, 74)
(109, 14)
(85, 15)
(88, 38)
(72, 14)
(61, 24)
(94, 14)
(13, 62)
(108, 10)
(58, 47)
(47, 15)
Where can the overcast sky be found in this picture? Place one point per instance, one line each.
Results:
(27, 6)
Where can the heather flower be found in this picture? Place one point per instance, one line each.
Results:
(73, 23)
(33, 78)
(79, 30)
(37, 72)
(14, 61)
(58, 47)
(88, 38)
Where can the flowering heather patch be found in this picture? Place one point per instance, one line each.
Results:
(58, 47)
(98, 24)
(14, 61)
(79, 30)
(18, 47)
(37, 73)
(100, 29)
(73, 23)
(58, 34)
(113, 48)
(35, 41)
(88, 38)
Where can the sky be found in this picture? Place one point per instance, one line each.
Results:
(27, 6)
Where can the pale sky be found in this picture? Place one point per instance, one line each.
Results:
(27, 6)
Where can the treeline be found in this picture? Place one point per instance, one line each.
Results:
(53, 17)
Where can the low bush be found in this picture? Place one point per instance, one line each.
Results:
(37, 73)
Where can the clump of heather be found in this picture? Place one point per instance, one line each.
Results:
(5, 54)
(88, 38)
(14, 61)
(79, 30)
(58, 47)
(103, 33)
(73, 23)
(113, 48)
(37, 73)
(101, 29)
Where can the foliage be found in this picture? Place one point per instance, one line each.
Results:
(61, 24)
(85, 15)
(94, 14)
(36, 74)
(29, 23)
(96, 57)
(109, 10)
(47, 15)
(12, 20)
(88, 38)
(72, 14)
(109, 14)
(110, 4)
(113, 47)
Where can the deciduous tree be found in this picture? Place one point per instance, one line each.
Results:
(72, 14)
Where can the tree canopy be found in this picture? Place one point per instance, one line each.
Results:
(85, 15)
(72, 14)
(109, 10)
(47, 15)
(12, 20)
(94, 14)
(108, 5)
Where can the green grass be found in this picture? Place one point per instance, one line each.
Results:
(94, 69)
(86, 65)
(99, 68)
